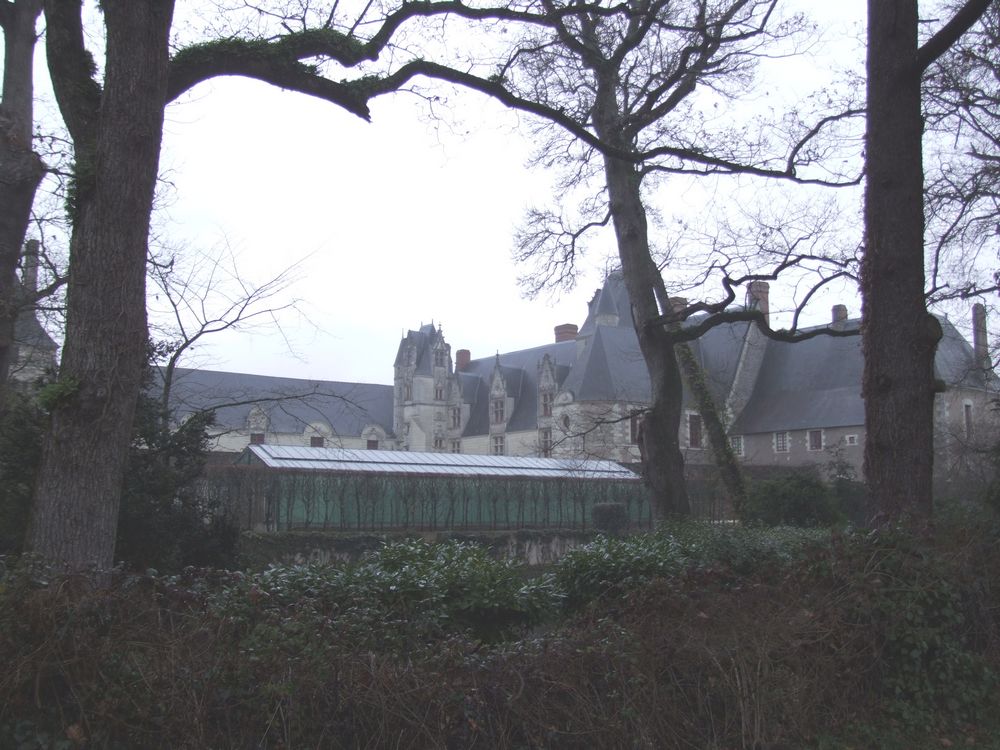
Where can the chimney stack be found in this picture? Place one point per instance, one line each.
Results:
(462, 359)
(566, 332)
(839, 314)
(29, 272)
(757, 297)
(980, 342)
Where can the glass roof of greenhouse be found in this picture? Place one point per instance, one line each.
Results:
(436, 464)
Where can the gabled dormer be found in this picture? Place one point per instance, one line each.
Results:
(501, 404)
(440, 354)
(548, 386)
(258, 423)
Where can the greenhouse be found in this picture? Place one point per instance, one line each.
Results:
(275, 488)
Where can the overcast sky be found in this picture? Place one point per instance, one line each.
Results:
(397, 222)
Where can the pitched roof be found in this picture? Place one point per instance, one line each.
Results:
(520, 370)
(955, 361)
(290, 403)
(808, 384)
(436, 464)
(816, 383)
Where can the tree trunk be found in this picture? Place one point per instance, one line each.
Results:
(21, 169)
(663, 462)
(75, 512)
(718, 440)
(899, 335)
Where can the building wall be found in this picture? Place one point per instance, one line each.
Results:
(234, 441)
(840, 444)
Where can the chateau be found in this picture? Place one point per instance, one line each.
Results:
(582, 394)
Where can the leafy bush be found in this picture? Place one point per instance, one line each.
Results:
(920, 601)
(163, 523)
(745, 549)
(21, 428)
(823, 640)
(612, 565)
(800, 499)
(402, 593)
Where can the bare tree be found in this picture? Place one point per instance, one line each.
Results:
(620, 89)
(114, 115)
(199, 295)
(21, 169)
(900, 337)
(961, 96)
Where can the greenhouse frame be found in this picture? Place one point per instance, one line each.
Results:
(278, 488)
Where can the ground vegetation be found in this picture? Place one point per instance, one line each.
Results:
(698, 636)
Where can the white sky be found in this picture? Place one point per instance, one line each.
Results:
(400, 221)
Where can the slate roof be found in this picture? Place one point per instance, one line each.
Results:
(520, 370)
(816, 383)
(810, 384)
(29, 332)
(955, 361)
(612, 298)
(610, 368)
(718, 353)
(290, 403)
(422, 339)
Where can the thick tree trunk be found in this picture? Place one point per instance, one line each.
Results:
(75, 512)
(664, 462)
(899, 335)
(21, 169)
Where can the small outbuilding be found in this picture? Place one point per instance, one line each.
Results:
(274, 487)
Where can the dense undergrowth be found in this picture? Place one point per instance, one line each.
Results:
(695, 637)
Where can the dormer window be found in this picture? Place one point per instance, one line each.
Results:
(498, 411)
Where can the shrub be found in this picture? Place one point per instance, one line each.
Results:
(411, 590)
(800, 499)
(610, 564)
(21, 426)
(864, 637)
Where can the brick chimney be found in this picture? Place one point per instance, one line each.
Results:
(757, 297)
(462, 359)
(566, 332)
(29, 278)
(980, 342)
(839, 315)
